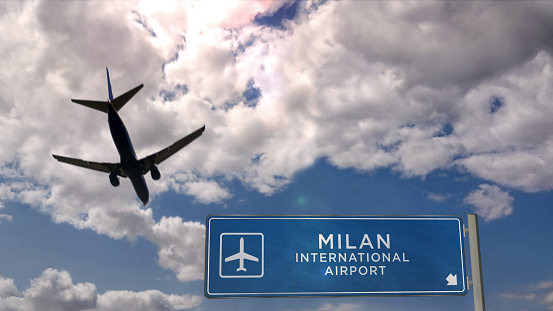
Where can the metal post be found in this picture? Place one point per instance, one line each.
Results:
(476, 263)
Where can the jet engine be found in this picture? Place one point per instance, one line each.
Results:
(113, 179)
(155, 173)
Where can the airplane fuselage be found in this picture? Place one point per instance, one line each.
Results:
(129, 162)
(241, 265)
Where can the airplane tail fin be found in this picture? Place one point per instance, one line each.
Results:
(117, 103)
(110, 94)
(121, 100)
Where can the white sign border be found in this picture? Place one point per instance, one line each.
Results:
(312, 217)
(241, 276)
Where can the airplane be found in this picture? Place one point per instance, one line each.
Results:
(129, 166)
(241, 256)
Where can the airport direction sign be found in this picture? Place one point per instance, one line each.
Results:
(291, 256)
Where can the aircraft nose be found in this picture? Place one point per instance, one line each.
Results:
(145, 198)
(143, 194)
(139, 185)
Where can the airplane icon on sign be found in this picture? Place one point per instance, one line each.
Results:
(241, 255)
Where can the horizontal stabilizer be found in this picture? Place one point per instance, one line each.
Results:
(120, 101)
(98, 105)
(117, 103)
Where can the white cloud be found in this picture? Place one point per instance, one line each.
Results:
(539, 293)
(145, 301)
(181, 246)
(54, 290)
(180, 242)
(24, 192)
(512, 146)
(205, 191)
(5, 217)
(438, 197)
(7, 288)
(491, 202)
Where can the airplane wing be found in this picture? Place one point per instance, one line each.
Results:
(241, 255)
(233, 257)
(97, 166)
(249, 257)
(148, 162)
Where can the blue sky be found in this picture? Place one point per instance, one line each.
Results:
(311, 108)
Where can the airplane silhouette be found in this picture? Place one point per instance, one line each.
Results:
(129, 166)
(241, 256)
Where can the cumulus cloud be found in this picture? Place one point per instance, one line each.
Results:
(54, 290)
(490, 202)
(180, 242)
(409, 86)
(205, 191)
(181, 246)
(8, 288)
(146, 300)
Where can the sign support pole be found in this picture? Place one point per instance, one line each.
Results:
(476, 263)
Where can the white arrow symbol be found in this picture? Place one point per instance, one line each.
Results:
(451, 280)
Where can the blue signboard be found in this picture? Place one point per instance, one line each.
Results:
(283, 256)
